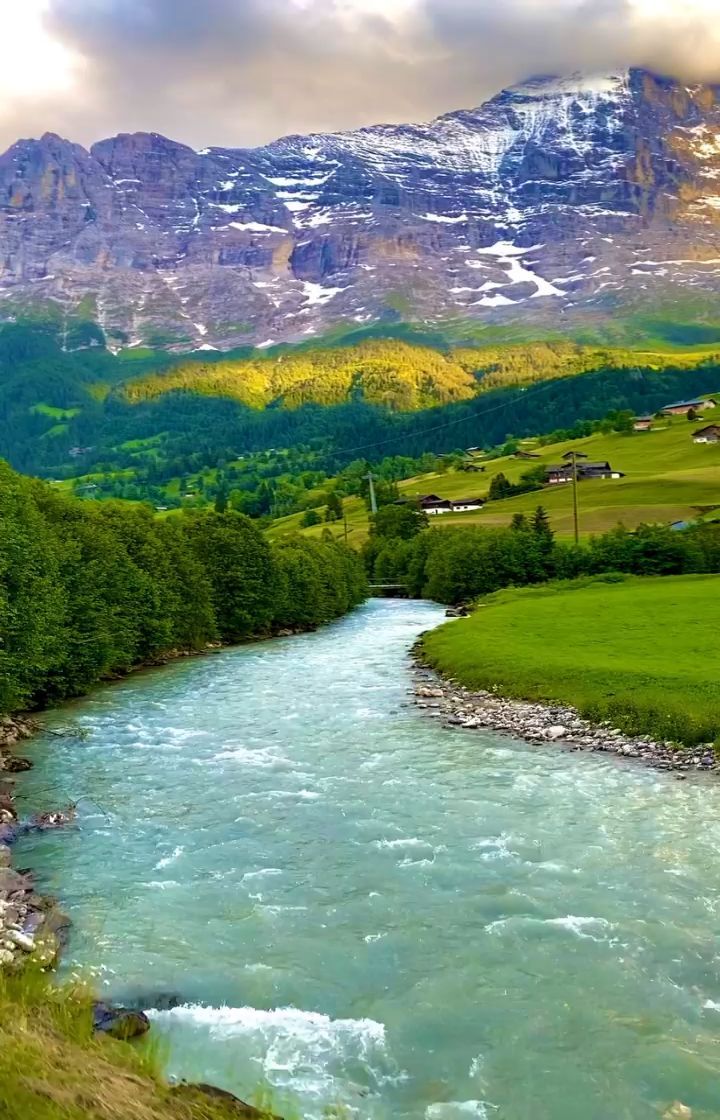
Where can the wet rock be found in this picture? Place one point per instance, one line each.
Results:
(200, 1092)
(14, 764)
(678, 1111)
(119, 1022)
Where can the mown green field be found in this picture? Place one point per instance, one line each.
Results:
(667, 478)
(641, 653)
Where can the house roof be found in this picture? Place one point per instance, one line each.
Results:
(691, 404)
(706, 429)
(433, 500)
(583, 466)
(468, 501)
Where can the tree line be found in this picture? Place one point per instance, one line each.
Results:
(90, 590)
(459, 565)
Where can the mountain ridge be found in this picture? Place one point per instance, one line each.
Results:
(559, 201)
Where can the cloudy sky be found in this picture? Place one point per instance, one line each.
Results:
(240, 72)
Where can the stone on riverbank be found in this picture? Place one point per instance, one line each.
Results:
(13, 729)
(119, 1022)
(15, 764)
(199, 1093)
(544, 723)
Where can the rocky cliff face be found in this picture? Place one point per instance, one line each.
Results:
(557, 201)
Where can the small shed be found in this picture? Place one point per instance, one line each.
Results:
(643, 424)
(709, 434)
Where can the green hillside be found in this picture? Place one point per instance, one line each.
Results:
(667, 478)
(398, 375)
(70, 407)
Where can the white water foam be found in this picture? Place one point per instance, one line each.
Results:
(404, 842)
(324, 1061)
(458, 1110)
(261, 873)
(267, 758)
(167, 860)
(579, 925)
(575, 924)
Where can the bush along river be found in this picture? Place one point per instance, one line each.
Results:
(323, 891)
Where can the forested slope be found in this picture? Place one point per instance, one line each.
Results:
(90, 590)
(69, 406)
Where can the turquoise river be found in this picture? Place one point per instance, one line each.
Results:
(375, 916)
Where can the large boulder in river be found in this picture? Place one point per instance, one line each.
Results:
(119, 1022)
(198, 1094)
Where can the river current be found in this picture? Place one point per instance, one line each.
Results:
(365, 911)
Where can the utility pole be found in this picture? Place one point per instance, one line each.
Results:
(345, 527)
(573, 456)
(373, 500)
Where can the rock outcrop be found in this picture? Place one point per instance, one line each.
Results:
(556, 199)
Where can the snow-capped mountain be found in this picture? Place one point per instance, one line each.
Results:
(558, 200)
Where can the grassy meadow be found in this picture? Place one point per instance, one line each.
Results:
(53, 1068)
(667, 478)
(640, 653)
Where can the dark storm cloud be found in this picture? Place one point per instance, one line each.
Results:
(244, 71)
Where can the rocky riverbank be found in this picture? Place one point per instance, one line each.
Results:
(461, 707)
(31, 926)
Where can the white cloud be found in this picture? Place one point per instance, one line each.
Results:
(241, 72)
(32, 62)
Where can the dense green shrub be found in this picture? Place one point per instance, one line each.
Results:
(458, 565)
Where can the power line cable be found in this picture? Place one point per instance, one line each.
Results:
(532, 391)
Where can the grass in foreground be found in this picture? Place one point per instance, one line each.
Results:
(641, 653)
(52, 1068)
